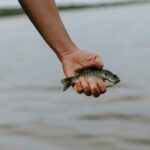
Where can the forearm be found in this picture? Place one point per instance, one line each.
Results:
(44, 15)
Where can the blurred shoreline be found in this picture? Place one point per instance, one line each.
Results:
(12, 11)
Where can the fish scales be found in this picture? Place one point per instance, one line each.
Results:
(108, 77)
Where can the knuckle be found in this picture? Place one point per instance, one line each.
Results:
(78, 86)
(96, 94)
(81, 78)
(101, 84)
(79, 90)
(90, 80)
(103, 89)
(87, 89)
(95, 90)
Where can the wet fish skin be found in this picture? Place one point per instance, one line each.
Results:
(108, 77)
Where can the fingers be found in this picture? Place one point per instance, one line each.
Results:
(85, 86)
(78, 87)
(102, 86)
(94, 87)
(90, 87)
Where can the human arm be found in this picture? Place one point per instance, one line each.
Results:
(45, 17)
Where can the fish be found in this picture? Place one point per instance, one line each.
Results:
(97, 74)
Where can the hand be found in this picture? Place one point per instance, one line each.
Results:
(80, 58)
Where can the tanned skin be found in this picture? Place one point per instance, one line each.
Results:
(45, 17)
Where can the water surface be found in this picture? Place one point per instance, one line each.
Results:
(12, 3)
(36, 114)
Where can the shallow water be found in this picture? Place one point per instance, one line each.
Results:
(36, 114)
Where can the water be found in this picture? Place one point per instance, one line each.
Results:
(36, 114)
(10, 3)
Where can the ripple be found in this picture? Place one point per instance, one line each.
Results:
(115, 116)
(137, 141)
(30, 89)
(129, 98)
(130, 86)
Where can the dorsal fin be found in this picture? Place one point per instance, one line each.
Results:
(80, 70)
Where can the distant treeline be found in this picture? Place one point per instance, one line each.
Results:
(10, 11)
(18, 11)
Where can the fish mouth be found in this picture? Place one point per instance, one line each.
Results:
(116, 81)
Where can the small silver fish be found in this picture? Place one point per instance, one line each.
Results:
(108, 77)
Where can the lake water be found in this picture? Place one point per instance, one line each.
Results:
(60, 2)
(36, 115)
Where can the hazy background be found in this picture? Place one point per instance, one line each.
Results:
(36, 114)
(4, 3)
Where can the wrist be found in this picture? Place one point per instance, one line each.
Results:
(66, 51)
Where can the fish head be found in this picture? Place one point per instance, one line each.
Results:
(109, 77)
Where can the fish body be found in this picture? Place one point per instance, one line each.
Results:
(108, 77)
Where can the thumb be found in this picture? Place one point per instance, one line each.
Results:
(96, 63)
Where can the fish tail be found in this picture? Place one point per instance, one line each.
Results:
(66, 82)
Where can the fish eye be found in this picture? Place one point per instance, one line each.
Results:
(106, 74)
(115, 76)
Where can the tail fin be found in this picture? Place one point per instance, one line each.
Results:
(66, 82)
